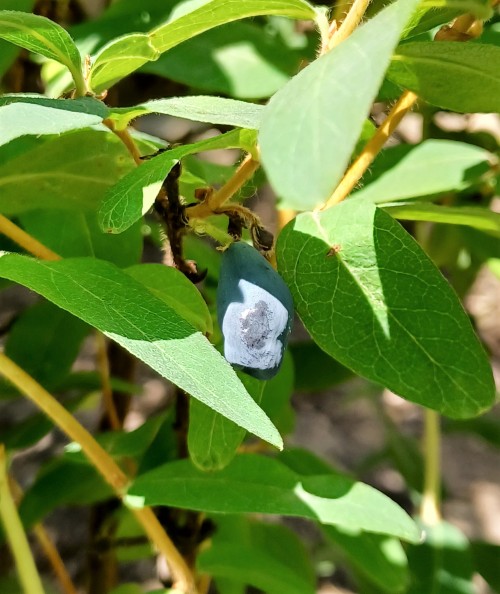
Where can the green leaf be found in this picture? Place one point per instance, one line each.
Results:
(277, 394)
(486, 556)
(212, 438)
(45, 341)
(473, 216)
(310, 127)
(206, 14)
(42, 36)
(315, 371)
(258, 484)
(266, 556)
(463, 77)
(371, 298)
(123, 309)
(201, 108)
(379, 558)
(135, 193)
(119, 58)
(62, 482)
(426, 169)
(239, 59)
(442, 563)
(18, 119)
(65, 172)
(75, 233)
(172, 287)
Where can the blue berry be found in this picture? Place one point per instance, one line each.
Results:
(255, 311)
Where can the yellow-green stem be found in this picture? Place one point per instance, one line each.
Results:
(244, 172)
(371, 149)
(26, 241)
(16, 537)
(431, 498)
(107, 467)
(351, 21)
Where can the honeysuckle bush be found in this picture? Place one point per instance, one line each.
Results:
(379, 298)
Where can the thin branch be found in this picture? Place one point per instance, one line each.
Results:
(371, 149)
(107, 467)
(26, 241)
(351, 21)
(57, 564)
(16, 537)
(431, 498)
(107, 391)
(214, 201)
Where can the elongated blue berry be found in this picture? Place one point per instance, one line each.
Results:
(255, 311)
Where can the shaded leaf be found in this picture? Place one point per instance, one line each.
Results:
(487, 562)
(123, 309)
(45, 341)
(213, 439)
(380, 559)
(75, 233)
(315, 371)
(266, 556)
(65, 172)
(442, 563)
(463, 77)
(172, 287)
(258, 484)
(371, 298)
(310, 127)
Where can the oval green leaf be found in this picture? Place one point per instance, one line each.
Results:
(426, 169)
(110, 300)
(370, 297)
(200, 108)
(310, 127)
(42, 36)
(119, 58)
(260, 484)
(463, 77)
(66, 172)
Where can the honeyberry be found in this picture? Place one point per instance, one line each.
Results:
(255, 311)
